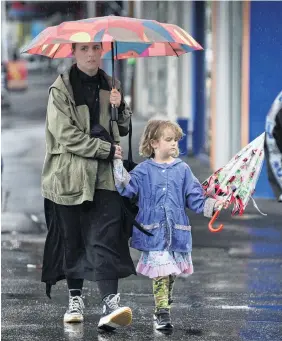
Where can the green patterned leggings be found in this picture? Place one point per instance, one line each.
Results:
(162, 290)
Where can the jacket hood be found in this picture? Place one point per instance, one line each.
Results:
(63, 84)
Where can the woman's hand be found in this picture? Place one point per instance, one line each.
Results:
(115, 97)
(118, 152)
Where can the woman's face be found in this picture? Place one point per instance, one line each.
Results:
(88, 56)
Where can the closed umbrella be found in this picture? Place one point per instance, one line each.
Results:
(234, 184)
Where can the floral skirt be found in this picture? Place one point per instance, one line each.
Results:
(164, 263)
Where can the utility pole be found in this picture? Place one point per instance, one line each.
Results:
(91, 9)
(4, 38)
(131, 65)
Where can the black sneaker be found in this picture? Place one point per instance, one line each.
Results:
(114, 316)
(75, 311)
(162, 320)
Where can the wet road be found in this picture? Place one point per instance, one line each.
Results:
(234, 294)
(229, 297)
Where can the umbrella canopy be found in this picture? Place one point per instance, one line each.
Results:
(121, 38)
(235, 183)
(129, 37)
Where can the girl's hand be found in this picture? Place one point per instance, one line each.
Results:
(220, 204)
(118, 152)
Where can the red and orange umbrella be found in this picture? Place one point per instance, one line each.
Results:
(129, 37)
(122, 38)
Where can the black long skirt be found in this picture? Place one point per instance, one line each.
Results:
(86, 241)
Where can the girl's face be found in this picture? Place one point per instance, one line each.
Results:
(88, 56)
(167, 145)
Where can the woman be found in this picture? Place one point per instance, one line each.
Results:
(82, 208)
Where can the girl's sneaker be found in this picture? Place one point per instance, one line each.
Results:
(74, 313)
(114, 316)
(162, 320)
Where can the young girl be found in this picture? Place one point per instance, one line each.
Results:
(164, 186)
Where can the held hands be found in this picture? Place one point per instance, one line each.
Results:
(115, 97)
(118, 152)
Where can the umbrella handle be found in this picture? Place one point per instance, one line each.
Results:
(114, 110)
(114, 113)
(213, 219)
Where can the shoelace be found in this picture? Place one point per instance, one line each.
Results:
(164, 318)
(113, 302)
(76, 303)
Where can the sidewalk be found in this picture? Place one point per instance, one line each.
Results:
(23, 152)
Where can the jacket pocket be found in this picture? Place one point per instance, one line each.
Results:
(151, 226)
(155, 242)
(69, 177)
(182, 238)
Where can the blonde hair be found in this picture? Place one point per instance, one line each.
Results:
(154, 130)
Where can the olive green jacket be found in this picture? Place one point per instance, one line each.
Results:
(75, 164)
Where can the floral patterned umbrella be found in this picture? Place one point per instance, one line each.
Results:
(235, 183)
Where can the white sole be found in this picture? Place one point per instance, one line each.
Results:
(167, 326)
(73, 318)
(119, 318)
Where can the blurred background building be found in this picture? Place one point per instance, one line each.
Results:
(220, 96)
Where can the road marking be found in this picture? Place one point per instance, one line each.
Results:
(238, 307)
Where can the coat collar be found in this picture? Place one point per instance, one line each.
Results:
(101, 77)
(164, 165)
(63, 83)
(86, 78)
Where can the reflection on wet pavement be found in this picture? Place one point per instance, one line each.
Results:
(233, 295)
(74, 331)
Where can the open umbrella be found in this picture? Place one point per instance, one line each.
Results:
(235, 183)
(122, 38)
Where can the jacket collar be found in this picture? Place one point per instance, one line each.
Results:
(100, 77)
(86, 78)
(63, 83)
(164, 165)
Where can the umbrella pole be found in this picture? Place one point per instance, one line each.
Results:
(114, 111)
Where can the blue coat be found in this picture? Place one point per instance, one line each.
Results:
(163, 191)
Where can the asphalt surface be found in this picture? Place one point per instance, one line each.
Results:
(234, 294)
